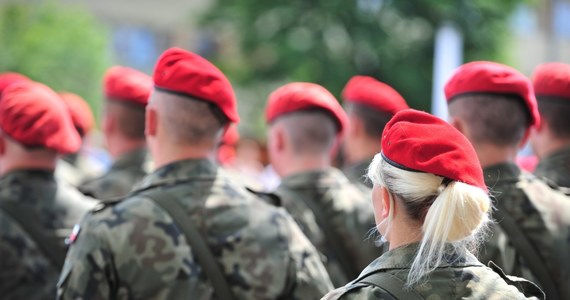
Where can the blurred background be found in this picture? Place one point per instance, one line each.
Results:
(260, 44)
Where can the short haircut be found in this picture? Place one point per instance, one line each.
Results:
(373, 120)
(498, 119)
(311, 131)
(555, 111)
(190, 121)
(130, 118)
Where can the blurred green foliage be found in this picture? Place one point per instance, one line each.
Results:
(329, 41)
(60, 46)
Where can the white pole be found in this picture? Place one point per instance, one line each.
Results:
(448, 55)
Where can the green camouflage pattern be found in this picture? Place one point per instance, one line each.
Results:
(356, 173)
(25, 271)
(460, 276)
(543, 215)
(131, 249)
(348, 212)
(125, 172)
(555, 168)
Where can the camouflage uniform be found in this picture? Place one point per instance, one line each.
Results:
(460, 276)
(348, 215)
(357, 172)
(132, 250)
(67, 172)
(541, 213)
(556, 168)
(26, 272)
(125, 172)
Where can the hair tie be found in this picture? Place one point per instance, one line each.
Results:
(444, 183)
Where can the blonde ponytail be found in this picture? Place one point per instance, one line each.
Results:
(453, 214)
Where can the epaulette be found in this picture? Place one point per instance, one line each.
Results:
(106, 203)
(270, 198)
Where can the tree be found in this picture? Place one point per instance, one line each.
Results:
(61, 47)
(329, 41)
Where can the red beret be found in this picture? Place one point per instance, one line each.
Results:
(80, 112)
(128, 85)
(492, 78)
(417, 141)
(34, 115)
(298, 96)
(231, 136)
(552, 79)
(369, 91)
(8, 78)
(187, 73)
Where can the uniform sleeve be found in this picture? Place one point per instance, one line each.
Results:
(88, 271)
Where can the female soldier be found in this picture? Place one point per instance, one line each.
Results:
(431, 204)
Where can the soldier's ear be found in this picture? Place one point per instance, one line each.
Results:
(387, 204)
(151, 121)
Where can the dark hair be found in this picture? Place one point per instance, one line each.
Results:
(499, 119)
(374, 120)
(555, 111)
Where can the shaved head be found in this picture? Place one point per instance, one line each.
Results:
(129, 117)
(188, 121)
(310, 131)
(500, 120)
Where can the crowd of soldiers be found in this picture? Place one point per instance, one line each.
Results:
(170, 219)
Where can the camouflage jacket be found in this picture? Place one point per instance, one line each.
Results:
(26, 271)
(460, 276)
(125, 172)
(357, 172)
(346, 213)
(556, 168)
(131, 249)
(542, 214)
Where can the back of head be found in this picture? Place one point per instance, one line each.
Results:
(80, 112)
(433, 171)
(127, 92)
(310, 115)
(9, 78)
(34, 116)
(551, 83)
(195, 99)
(483, 94)
(373, 102)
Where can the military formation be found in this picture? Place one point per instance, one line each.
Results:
(420, 208)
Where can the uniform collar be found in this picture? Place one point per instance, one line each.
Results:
(132, 158)
(357, 171)
(555, 158)
(402, 258)
(503, 172)
(180, 171)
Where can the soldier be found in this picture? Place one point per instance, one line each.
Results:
(187, 231)
(37, 212)
(126, 93)
(494, 106)
(75, 167)
(369, 104)
(551, 140)
(431, 211)
(305, 124)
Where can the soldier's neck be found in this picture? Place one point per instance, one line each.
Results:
(118, 147)
(361, 149)
(167, 155)
(24, 162)
(302, 164)
(490, 155)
